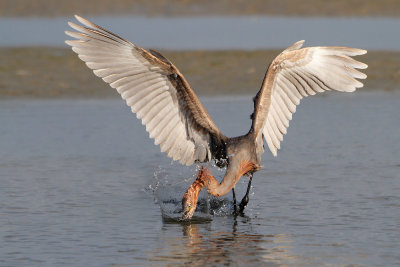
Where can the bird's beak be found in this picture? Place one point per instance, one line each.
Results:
(189, 200)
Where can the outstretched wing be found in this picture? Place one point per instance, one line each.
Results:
(297, 73)
(154, 89)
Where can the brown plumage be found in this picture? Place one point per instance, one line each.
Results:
(160, 96)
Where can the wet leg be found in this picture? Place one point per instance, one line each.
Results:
(245, 199)
(234, 201)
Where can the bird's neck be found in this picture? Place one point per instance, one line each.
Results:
(219, 189)
(232, 176)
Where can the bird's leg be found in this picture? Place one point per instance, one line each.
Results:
(234, 201)
(245, 199)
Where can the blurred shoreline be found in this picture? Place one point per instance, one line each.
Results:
(51, 8)
(46, 72)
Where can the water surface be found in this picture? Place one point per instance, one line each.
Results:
(77, 181)
(210, 33)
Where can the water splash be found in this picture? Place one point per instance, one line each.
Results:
(169, 197)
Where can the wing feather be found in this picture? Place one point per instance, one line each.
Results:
(154, 89)
(155, 127)
(160, 107)
(281, 109)
(296, 73)
(174, 152)
(168, 131)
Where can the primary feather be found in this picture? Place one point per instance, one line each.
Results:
(296, 73)
(153, 88)
(160, 96)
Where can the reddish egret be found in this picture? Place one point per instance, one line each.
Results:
(160, 96)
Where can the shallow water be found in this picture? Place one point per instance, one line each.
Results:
(82, 185)
(210, 33)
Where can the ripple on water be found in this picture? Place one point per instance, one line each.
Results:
(81, 202)
(207, 206)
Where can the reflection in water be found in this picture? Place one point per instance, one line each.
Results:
(202, 245)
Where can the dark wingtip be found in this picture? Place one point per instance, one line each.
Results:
(159, 56)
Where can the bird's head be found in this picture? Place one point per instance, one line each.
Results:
(189, 200)
(189, 203)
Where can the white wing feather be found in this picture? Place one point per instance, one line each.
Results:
(297, 73)
(146, 88)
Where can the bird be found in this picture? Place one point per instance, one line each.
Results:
(160, 96)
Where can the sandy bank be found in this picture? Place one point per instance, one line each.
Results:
(57, 72)
(200, 8)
